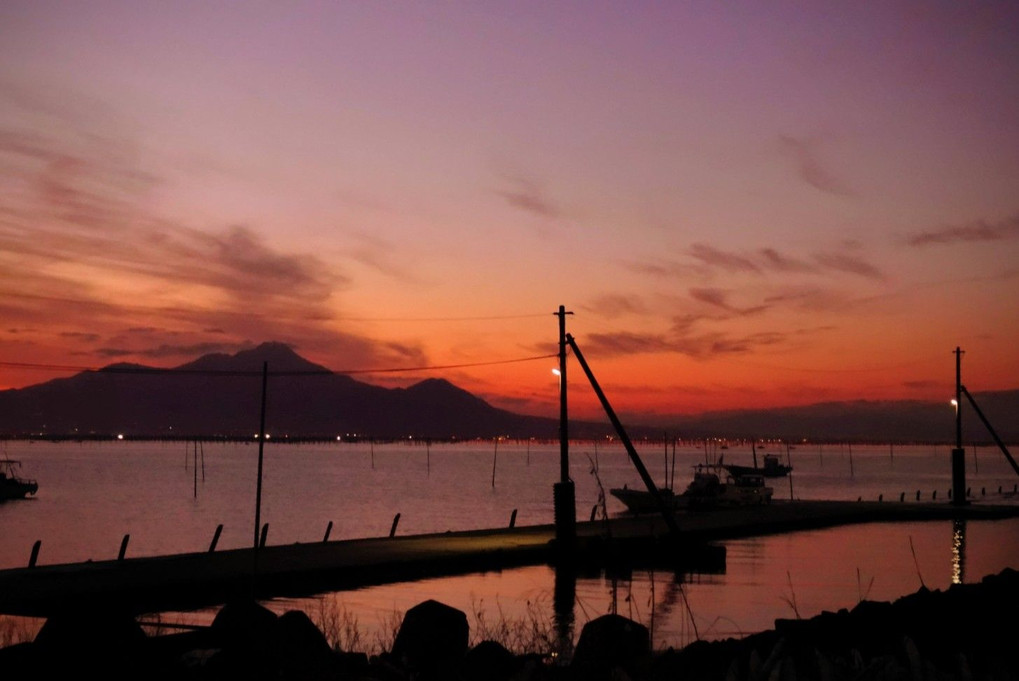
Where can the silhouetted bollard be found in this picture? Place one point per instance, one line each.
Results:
(265, 533)
(902, 497)
(513, 519)
(594, 512)
(396, 521)
(983, 491)
(215, 538)
(918, 495)
(968, 494)
(999, 489)
(329, 528)
(35, 553)
(123, 547)
(881, 497)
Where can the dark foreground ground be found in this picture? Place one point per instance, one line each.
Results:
(966, 632)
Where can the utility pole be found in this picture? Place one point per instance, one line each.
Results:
(958, 454)
(261, 447)
(563, 493)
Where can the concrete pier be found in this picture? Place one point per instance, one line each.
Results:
(188, 581)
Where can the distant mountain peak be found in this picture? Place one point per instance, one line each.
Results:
(277, 355)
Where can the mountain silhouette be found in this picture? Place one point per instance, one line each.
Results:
(219, 395)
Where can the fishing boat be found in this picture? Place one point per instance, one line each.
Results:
(772, 468)
(11, 485)
(712, 486)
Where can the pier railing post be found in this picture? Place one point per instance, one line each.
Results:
(35, 553)
(123, 547)
(215, 538)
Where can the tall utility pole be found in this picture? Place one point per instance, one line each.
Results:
(563, 493)
(261, 447)
(958, 454)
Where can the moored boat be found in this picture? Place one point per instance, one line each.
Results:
(11, 485)
(712, 486)
(772, 468)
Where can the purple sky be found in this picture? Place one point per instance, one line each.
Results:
(746, 204)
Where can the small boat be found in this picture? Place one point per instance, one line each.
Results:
(11, 485)
(641, 500)
(712, 486)
(772, 468)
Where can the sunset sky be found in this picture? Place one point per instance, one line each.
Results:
(744, 204)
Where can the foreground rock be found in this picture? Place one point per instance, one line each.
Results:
(966, 632)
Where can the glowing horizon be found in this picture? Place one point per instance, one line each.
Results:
(768, 205)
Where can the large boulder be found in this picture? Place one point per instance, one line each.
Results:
(610, 642)
(432, 639)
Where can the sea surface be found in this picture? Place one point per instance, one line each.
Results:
(170, 497)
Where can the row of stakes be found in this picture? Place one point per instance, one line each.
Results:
(969, 493)
(261, 539)
(396, 521)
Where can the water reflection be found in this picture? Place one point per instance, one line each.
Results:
(564, 595)
(959, 551)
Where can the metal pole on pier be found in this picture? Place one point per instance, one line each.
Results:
(958, 454)
(563, 493)
(625, 439)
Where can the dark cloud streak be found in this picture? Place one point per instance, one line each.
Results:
(978, 231)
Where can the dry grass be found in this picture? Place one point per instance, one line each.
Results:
(343, 630)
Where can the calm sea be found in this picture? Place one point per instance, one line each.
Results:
(169, 497)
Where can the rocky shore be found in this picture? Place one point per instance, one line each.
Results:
(965, 632)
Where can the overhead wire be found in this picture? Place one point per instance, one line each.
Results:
(251, 372)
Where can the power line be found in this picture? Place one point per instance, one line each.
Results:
(253, 372)
(441, 319)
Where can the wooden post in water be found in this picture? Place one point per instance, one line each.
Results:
(495, 456)
(215, 538)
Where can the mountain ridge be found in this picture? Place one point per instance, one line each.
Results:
(218, 395)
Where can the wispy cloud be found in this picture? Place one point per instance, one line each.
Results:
(77, 226)
(720, 298)
(380, 255)
(707, 260)
(807, 160)
(698, 346)
(615, 305)
(849, 263)
(979, 230)
(728, 261)
(779, 262)
(529, 195)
